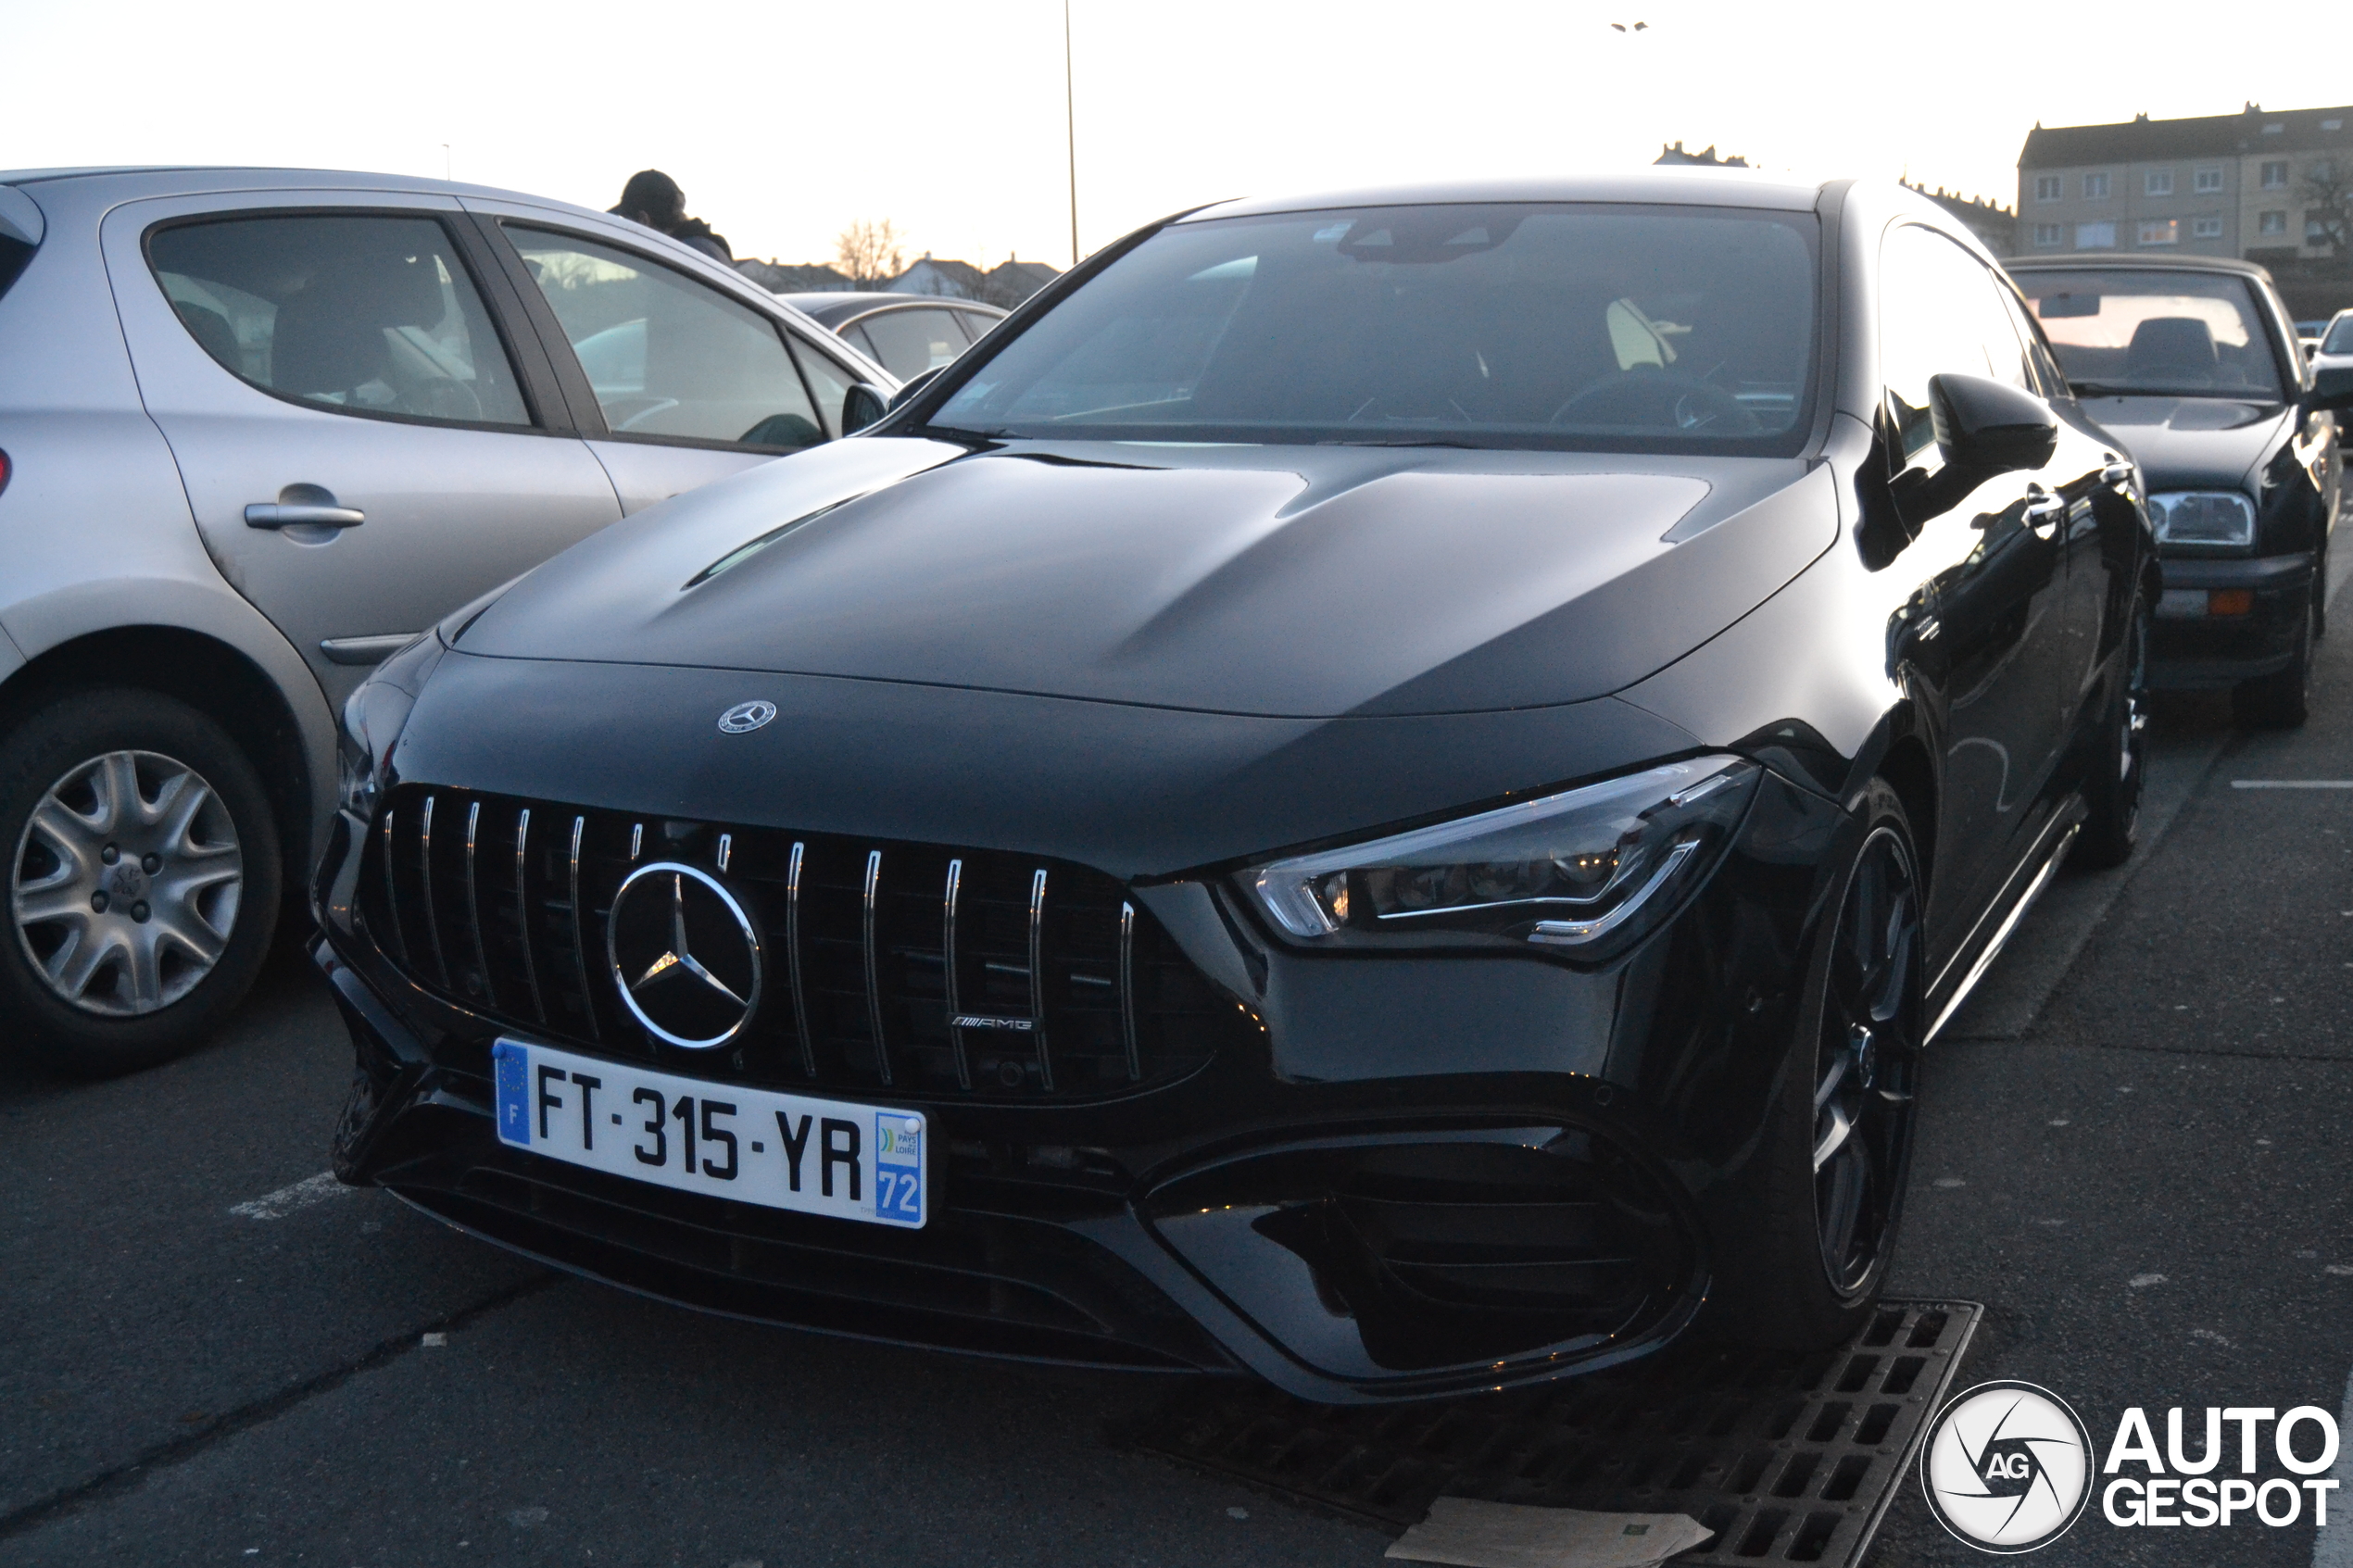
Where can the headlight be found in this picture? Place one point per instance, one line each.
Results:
(372, 720)
(2203, 517)
(1587, 870)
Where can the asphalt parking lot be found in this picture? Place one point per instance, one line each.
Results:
(2133, 1153)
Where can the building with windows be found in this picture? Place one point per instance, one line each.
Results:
(2258, 183)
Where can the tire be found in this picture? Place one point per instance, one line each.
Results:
(145, 880)
(2118, 762)
(1804, 1270)
(2281, 700)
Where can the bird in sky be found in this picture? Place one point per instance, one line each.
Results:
(1638, 27)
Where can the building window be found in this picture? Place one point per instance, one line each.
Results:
(2331, 125)
(2271, 223)
(2160, 232)
(2275, 175)
(2099, 236)
(2158, 183)
(2275, 128)
(2049, 236)
(2095, 186)
(2206, 229)
(2315, 232)
(2209, 180)
(2047, 187)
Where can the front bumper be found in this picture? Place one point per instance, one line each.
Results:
(1409, 1177)
(2192, 650)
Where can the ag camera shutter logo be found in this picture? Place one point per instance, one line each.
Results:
(2007, 1467)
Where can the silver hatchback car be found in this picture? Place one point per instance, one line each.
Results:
(258, 427)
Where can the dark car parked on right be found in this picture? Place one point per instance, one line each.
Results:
(2192, 363)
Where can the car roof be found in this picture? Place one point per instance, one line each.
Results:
(174, 179)
(1667, 185)
(2081, 259)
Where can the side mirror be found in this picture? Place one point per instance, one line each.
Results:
(1988, 427)
(907, 391)
(2331, 390)
(862, 405)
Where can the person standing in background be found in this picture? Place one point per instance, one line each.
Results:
(654, 199)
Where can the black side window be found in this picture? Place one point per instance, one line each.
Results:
(910, 342)
(1940, 312)
(364, 314)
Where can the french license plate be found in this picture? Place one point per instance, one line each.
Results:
(783, 1151)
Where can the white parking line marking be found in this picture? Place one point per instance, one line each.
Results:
(286, 1200)
(2292, 783)
(2332, 1545)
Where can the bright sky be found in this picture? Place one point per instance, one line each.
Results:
(786, 122)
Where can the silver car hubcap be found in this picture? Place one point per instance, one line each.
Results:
(126, 884)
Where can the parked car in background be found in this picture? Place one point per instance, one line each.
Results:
(2336, 353)
(1356, 799)
(2193, 364)
(258, 427)
(2307, 336)
(907, 333)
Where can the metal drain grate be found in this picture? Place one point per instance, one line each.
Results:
(1788, 1458)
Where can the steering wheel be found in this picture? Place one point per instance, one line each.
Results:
(452, 400)
(657, 405)
(1662, 399)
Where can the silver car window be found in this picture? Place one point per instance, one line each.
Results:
(667, 356)
(369, 315)
(828, 381)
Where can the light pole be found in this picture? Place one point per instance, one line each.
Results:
(1070, 127)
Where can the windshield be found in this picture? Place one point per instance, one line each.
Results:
(2340, 338)
(1648, 329)
(2186, 333)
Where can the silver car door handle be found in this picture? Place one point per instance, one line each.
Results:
(278, 514)
(365, 650)
(2117, 472)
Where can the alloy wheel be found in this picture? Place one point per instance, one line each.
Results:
(1866, 1062)
(126, 884)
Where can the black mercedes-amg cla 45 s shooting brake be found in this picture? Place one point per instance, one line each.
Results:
(1381, 790)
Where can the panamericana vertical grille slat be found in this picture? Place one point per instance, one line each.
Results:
(901, 967)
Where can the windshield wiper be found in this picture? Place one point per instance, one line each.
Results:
(2123, 389)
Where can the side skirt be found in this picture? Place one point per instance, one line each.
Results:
(2063, 830)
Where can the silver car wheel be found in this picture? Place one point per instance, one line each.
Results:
(126, 884)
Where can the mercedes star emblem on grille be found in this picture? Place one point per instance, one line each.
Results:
(684, 954)
(746, 717)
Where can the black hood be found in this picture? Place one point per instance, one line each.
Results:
(1135, 791)
(2194, 442)
(1300, 582)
